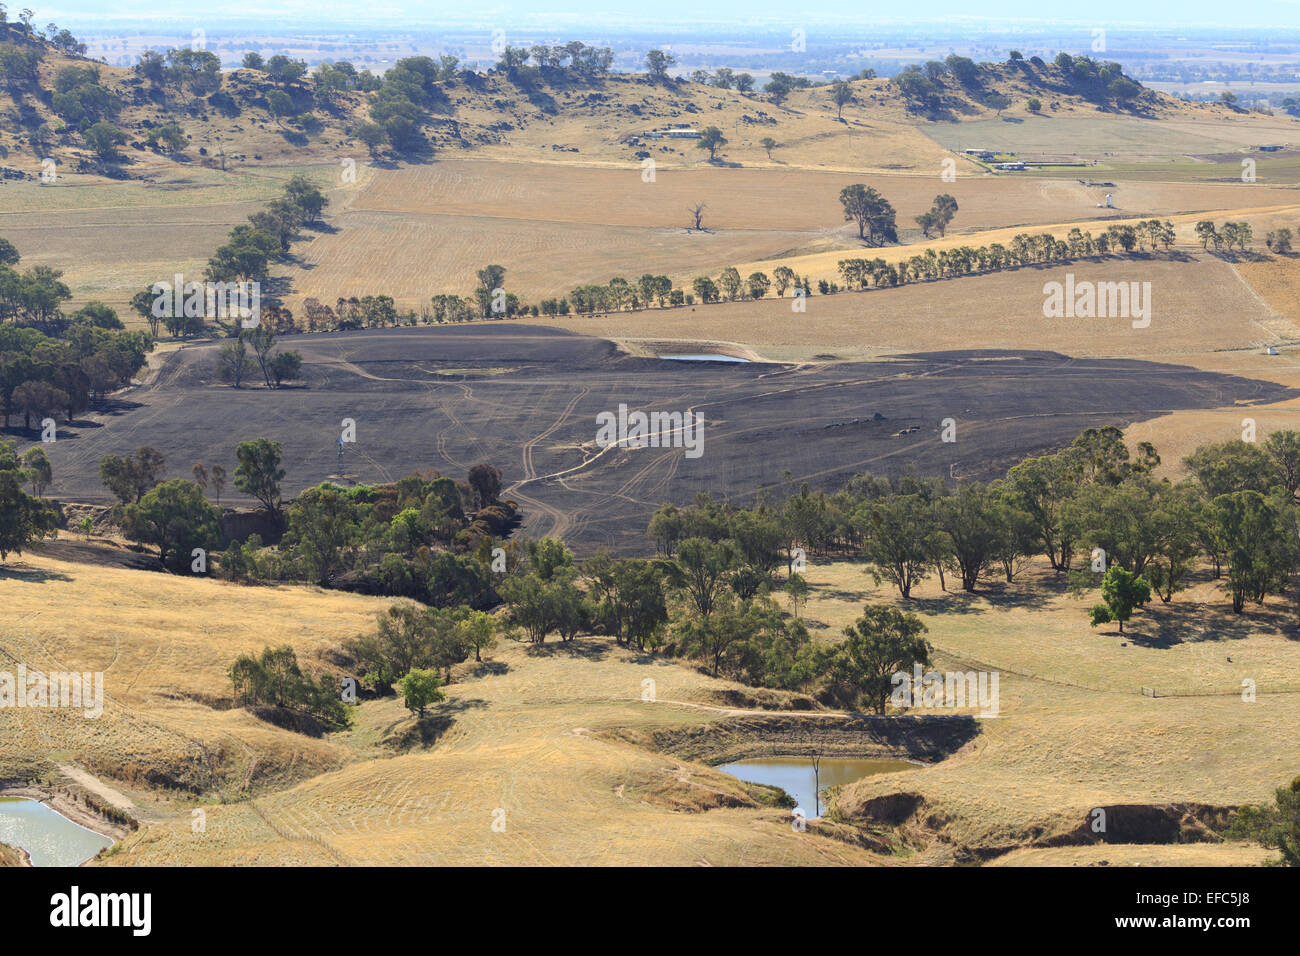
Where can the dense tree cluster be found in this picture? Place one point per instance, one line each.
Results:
(410, 637)
(924, 85)
(1098, 80)
(130, 477)
(20, 67)
(80, 99)
(176, 518)
(52, 363)
(250, 351)
(182, 70)
(32, 297)
(425, 536)
(780, 85)
(269, 234)
(872, 213)
(724, 78)
(1095, 498)
(564, 64)
(938, 216)
(274, 679)
(22, 47)
(24, 519)
(708, 600)
(1238, 234)
(400, 106)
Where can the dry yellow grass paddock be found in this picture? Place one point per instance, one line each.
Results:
(549, 757)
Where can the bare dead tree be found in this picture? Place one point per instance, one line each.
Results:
(697, 211)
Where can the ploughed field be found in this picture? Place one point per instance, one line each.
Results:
(526, 399)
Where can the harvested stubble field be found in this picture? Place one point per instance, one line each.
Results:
(1200, 305)
(167, 186)
(527, 398)
(113, 238)
(1277, 280)
(1163, 142)
(421, 230)
(825, 264)
(424, 230)
(779, 198)
(110, 254)
(413, 257)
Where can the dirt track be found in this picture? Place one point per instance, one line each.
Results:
(525, 398)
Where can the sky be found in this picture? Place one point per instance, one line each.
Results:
(669, 15)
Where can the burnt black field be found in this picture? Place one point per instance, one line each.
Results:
(525, 399)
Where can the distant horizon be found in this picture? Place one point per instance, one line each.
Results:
(680, 16)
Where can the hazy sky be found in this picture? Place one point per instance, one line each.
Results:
(668, 14)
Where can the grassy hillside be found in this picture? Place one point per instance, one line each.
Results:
(163, 644)
(551, 115)
(556, 746)
(531, 731)
(1074, 730)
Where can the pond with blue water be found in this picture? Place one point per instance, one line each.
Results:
(803, 781)
(49, 838)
